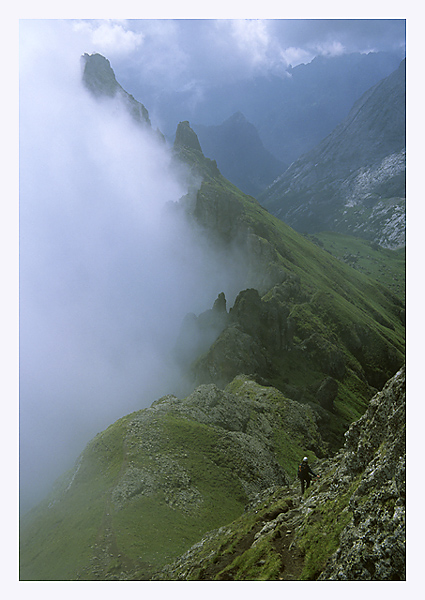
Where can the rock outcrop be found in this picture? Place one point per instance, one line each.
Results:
(373, 465)
(99, 79)
(349, 526)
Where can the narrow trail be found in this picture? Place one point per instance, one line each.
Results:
(283, 526)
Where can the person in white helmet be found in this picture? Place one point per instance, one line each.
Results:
(304, 474)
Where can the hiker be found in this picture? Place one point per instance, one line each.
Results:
(304, 474)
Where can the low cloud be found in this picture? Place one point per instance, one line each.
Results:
(110, 37)
(108, 270)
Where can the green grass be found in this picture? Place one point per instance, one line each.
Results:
(57, 535)
(318, 538)
(242, 561)
(388, 267)
(258, 563)
(57, 542)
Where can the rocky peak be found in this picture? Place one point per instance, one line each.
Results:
(186, 137)
(237, 117)
(220, 303)
(98, 75)
(99, 79)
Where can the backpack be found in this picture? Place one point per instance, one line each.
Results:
(303, 469)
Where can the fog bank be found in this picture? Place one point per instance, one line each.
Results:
(107, 272)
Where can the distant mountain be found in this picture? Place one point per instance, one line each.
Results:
(354, 180)
(292, 111)
(315, 98)
(240, 153)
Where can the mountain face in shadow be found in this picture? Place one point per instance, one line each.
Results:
(354, 180)
(240, 154)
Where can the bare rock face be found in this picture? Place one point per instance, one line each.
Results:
(354, 180)
(348, 526)
(99, 79)
(372, 545)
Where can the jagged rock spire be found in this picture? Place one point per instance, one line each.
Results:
(98, 75)
(99, 79)
(186, 137)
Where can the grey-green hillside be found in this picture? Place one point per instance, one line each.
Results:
(349, 526)
(307, 323)
(154, 482)
(386, 266)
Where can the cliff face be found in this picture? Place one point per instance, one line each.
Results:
(350, 524)
(99, 79)
(372, 545)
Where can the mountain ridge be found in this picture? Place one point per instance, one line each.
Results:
(325, 337)
(99, 78)
(292, 111)
(240, 153)
(355, 176)
(357, 509)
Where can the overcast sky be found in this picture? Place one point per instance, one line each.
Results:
(179, 53)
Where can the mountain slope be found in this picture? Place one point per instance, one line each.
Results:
(154, 482)
(281, 262)
(283, 373)
(240, 154)
(354, 180)
(357, 510)
(382, 264)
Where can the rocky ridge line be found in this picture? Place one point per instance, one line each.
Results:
(350, 525)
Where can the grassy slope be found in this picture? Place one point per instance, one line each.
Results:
(350, 305)
(60, 535)
(388, 267)
(318, 270)
(341, 295)
(231, 554)
(83, 531)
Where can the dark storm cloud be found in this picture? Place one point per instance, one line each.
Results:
(190, 57)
